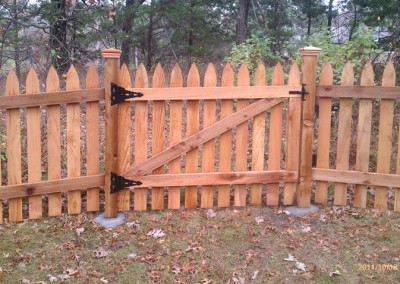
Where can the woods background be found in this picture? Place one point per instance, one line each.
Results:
(41, 33)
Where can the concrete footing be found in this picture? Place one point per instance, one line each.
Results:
(110, 222)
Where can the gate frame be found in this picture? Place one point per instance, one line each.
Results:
(303, 185)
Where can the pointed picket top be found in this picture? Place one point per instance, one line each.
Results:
(193, 79)
(260, 76)
(278, 77)
(389, 75)
(243, 76)
(367, 75)
(124, 79)
(32, 82)
(92, 78)
(294, 75)
(141, 77)
(12, 84)
(227, 76)
(326, 77)
(72, 82)
(176, 80)
(210, 77)
(52, 80)
(159, 77)
(348, 75)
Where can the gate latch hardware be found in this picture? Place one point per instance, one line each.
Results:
(119, 94)
(303, 92)
(118, 183)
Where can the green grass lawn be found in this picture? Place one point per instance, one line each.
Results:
(234, 246)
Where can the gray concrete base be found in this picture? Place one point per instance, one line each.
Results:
(110, 222)
(296, 211)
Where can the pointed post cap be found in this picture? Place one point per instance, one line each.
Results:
(111, 53)
(310, 51)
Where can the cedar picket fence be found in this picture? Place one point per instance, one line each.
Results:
(216, 162)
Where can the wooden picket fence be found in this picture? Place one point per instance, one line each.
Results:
(375, 169)
(196, 145)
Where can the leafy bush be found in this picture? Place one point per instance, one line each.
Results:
(254, 51)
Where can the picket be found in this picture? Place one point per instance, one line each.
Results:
(275, 138)
(385, 136)
(210, 80)
(324, 133)
(53, 142)
(242, 139)
(13, 148)
(292, 134)
(344, 135)
(175, 133)
(73, 142)
(124, 143)
(92, 140)
(193, 80)
(141, 110)
(363, 136)
(257, 158)
(225, 142)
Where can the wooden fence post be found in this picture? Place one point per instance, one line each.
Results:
(111, 57)
(309, 69)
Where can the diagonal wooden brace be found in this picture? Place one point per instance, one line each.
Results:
(200, 138)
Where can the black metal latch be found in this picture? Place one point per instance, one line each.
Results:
(303, 92)
(118, 183)
(119, 94)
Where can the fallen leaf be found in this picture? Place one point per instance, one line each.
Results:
(132, 255)
(134, 224)
(79, 231)
(305, 229)
(259, 220)
(290, 258)
(156, 233)
(334, 273)
(210, 213)
(254, 275)
(104, 280)
(101, 253)
(301, 266)
(52, 278)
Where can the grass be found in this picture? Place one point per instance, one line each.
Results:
(228, 248)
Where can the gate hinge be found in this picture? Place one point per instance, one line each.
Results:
(119, 94)
(303, 92)
(118, 183)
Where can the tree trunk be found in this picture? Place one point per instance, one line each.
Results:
(330, 15)
(354, 24)
(58, 38)
(127, 28)
(16, 50)
(241, 21)
(309, 24)
(149, 58)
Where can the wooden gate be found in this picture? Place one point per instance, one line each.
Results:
(224, 139)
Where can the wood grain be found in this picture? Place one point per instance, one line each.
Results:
(207, 192)
(192, 157)
(157, 195)
(73, 142)
(225, 142)
(275, 138)
(293, 135)
(53, 142)
(344, 135)
(34, 145)
(324, 133)
(175, 133)
(363, 136)
(385, 136)
(242, 139)
(124, 143)
(257, 159)
(141, 122)
(92, 140)
(357, 92)
(13, 147)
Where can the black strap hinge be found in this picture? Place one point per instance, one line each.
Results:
(119, 94)
(303, 92)
(118, 183)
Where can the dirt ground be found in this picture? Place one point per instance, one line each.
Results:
(251, 245)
